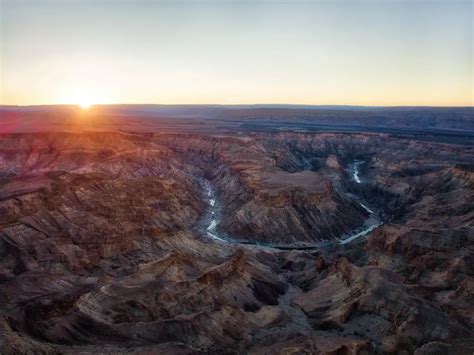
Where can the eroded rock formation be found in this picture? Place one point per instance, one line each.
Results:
(103, 246)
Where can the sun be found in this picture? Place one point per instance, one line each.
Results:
(81, 98)
(85, 105)
(83, 101)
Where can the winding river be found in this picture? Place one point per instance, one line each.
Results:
(371, 223)
(213, 212)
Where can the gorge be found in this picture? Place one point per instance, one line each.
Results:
(373, 221)
(126, 242)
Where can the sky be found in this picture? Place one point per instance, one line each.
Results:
(237, 52)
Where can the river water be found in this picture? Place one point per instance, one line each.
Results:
(355, 170)
(371, 223)
(213, 212)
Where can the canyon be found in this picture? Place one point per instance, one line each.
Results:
(235, 241)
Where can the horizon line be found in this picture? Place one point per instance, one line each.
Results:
(241, 104)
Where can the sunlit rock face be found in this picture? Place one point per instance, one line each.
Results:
(104, 243)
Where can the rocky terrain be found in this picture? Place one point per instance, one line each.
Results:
(231, 243)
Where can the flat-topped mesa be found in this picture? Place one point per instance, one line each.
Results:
(288, 209)
(264, 204)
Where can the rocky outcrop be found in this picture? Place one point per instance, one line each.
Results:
(374, 303)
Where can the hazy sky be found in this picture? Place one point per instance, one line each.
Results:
(309, 52)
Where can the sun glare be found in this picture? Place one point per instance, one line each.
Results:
(82, 99)
(85, 105)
